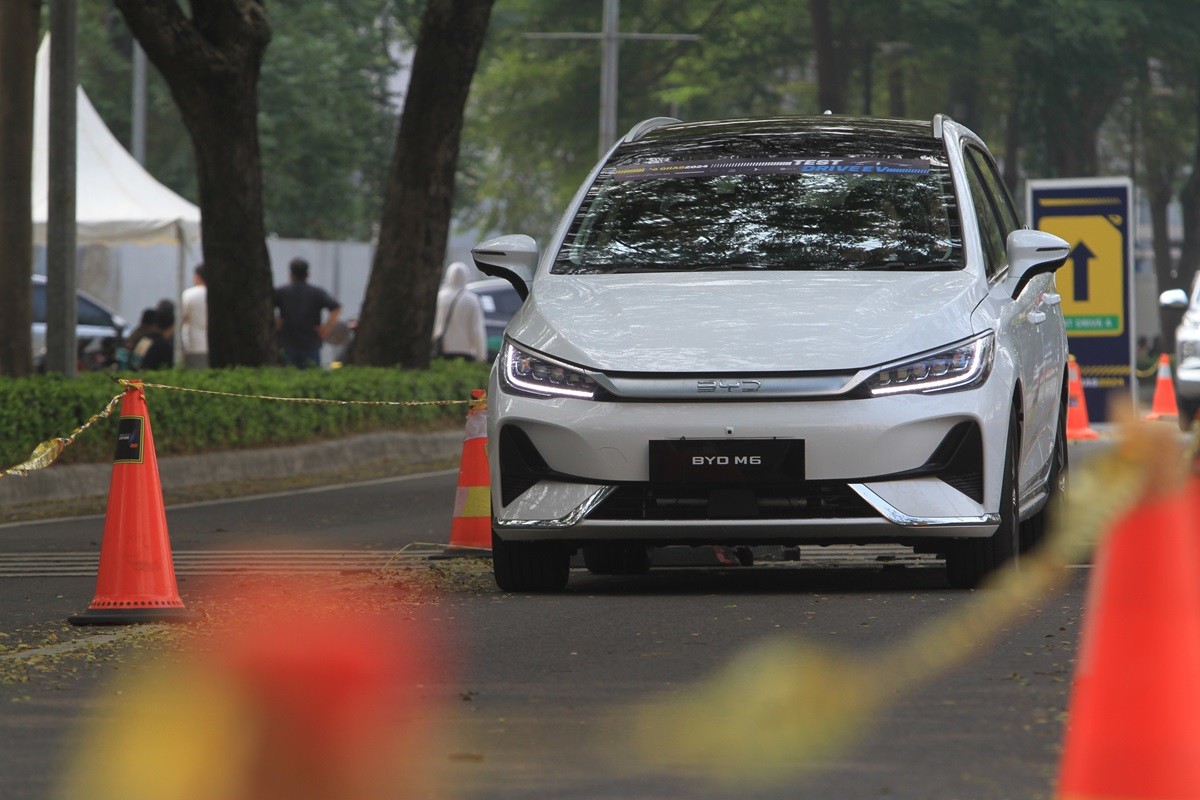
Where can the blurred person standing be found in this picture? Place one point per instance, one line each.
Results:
(159, 351)
(193, 321)
(458, 329)
(299, 320)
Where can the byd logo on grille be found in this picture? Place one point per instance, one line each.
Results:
(728, 386)
(721, 461)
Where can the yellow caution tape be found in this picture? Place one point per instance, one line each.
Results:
(787, 705)
(309, 400)
(1106, 370)
(48, 451)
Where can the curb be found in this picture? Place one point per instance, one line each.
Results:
(92, 480)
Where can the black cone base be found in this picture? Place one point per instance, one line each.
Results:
(133, 616)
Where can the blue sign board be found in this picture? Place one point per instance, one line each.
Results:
(1094, 215)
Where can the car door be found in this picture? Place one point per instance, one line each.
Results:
(1033, 316)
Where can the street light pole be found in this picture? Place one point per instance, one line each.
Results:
(610, 38)
(137, 138)
(609, 56)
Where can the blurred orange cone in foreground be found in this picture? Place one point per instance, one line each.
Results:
(1133, 731)
(1078, 426)
(1164, 405)
(302, 691)
(136, 578)
(471, 527)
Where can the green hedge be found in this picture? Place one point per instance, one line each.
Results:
(39, 408)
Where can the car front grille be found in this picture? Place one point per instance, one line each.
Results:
(804, 500)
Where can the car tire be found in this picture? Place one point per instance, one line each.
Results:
(1187, 413)
(616, 559)
(1033, 530)
(529, 566)
(969, 561)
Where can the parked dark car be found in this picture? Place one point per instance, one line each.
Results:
(500, 301)
(98, 328)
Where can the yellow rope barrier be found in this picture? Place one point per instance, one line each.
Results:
(48, 451)
(309, 400)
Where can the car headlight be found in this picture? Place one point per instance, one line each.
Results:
(1188, 349)
(960, 366)
(539, 376)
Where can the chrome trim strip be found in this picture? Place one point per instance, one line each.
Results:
(746, 387)
(574, 518)
(898, 517)
(1037, 499)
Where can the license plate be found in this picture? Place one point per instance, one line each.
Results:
(737, 461)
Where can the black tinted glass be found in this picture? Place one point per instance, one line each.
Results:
(88, 313)
(39, 302)
(828, 202)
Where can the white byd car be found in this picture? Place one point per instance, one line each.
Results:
(749, 332)
(1187, 352)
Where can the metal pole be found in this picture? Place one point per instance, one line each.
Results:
(60, 223)
(608, 75)
(138, 133)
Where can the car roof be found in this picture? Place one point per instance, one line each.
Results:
(781, 137)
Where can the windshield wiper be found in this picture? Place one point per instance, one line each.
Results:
(906, 266)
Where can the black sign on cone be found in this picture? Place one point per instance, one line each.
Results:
(136, 579)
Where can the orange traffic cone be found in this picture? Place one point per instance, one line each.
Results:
(136, 579)
(1078, 426)
(1164, 406)
(471, 527)
(1134, 724)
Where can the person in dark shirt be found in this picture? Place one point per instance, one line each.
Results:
(161, 352)
(300, 304)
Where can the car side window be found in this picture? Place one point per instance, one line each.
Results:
(990, 234)
(1003, 202)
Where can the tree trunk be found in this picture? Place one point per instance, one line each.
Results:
(397, 315)
(830, 86)
(1159, 200)
(1189, 201)
(211, 63)
(18, 56)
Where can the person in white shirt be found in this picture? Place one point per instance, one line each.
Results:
(193, 321)
(458, 329)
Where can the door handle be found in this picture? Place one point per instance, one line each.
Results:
(1037, 317)
(1051, 299)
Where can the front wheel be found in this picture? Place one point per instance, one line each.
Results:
(969, 561)
(530, 566)
(1187, 413)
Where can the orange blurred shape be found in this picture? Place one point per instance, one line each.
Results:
(1134, 725)
(316, 693)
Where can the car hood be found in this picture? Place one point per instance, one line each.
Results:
(716, 322)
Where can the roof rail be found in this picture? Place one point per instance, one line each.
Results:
(647, 125)
(938, 121)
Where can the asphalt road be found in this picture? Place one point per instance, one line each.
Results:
(526, 685)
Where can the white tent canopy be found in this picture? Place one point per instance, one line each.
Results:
(116, 199)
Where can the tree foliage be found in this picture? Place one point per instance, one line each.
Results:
(327, 109)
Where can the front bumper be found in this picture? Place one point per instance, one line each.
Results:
(584, 469)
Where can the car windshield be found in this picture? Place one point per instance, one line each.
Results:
(862, 204)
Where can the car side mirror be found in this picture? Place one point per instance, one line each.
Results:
(513, 258)
(1032, 253)
(1174, 298)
